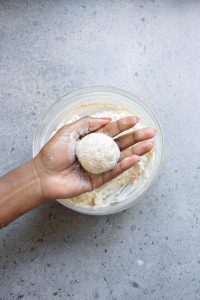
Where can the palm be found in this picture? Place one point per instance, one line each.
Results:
(60, 172)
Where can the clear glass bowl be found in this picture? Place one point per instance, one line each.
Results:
(108, 95)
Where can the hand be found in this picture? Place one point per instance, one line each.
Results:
(61, 175)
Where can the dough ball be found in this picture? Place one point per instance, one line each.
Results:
(97, 153)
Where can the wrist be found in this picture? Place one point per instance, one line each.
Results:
(35, 180)
(20, 191)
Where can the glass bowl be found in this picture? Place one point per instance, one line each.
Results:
(108, 95)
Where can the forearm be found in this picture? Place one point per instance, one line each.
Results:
(20, 192)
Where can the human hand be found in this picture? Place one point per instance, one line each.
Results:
(59, 172)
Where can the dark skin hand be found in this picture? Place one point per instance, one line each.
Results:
(61, 174)
(56, 173)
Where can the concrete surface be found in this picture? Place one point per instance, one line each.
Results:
(151, 48)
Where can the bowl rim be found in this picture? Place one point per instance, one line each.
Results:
(112, 209)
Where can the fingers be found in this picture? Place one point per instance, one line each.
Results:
(122, 166)
(132, 138)
(85, 125)
(139, 149)
(129, 158)
(114, 128)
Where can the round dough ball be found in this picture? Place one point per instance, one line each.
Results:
(97, 153)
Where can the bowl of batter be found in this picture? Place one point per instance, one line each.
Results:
(125, 190)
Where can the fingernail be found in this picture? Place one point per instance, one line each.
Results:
(152, 142)
(137, 118)
(139, 158)
(155, 131)
(105, 118)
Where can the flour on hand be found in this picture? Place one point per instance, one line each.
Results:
(118, 189)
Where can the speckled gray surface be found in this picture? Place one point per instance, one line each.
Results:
(151, 48)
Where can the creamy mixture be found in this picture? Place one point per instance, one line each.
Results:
(126, 183)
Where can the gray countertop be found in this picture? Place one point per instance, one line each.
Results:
(152, 49)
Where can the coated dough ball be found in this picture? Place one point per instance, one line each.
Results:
(97, 153)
